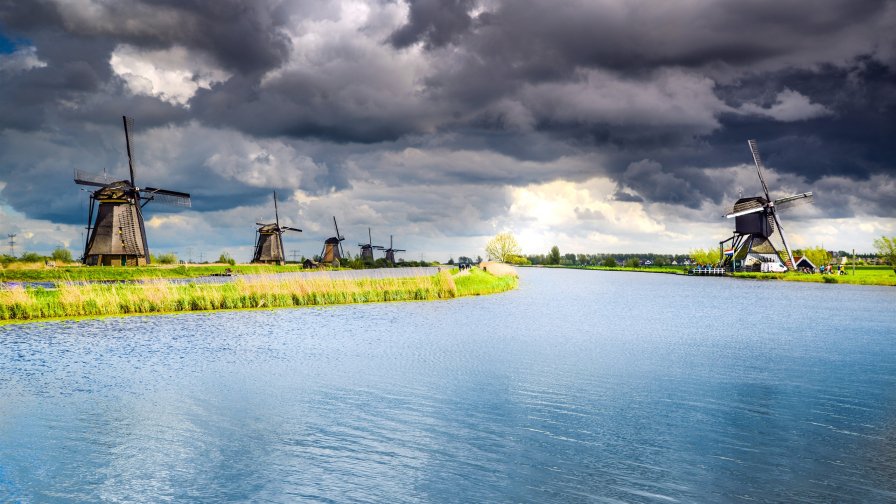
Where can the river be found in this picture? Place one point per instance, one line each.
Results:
(580, 386)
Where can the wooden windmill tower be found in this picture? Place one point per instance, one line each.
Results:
(390, 252)
(332, 251)
(368, 248)
(269, 240)
(117, 237)
(758, 235)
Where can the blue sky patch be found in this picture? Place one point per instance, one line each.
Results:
(8, 45)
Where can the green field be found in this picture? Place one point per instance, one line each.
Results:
(161, 296)
(864, 275)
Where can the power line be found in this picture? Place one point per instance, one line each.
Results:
(12, 244)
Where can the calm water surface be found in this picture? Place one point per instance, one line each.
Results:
(578, 387)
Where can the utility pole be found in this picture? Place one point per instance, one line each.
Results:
(12, 244)
(190, 255)
(295, 255)
(200, 257)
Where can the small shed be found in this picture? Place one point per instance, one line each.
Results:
(804, 262)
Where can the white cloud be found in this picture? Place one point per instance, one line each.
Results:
(173, 75)
(789, 106)
(24, 58)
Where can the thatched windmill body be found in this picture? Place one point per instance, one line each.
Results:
(390, 252)
(269, 240)
(758, 235)
(368, 248)
(332, 252)
(117, 235)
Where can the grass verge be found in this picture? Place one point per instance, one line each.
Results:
(863, 275)
(75, 273)
(160, 296)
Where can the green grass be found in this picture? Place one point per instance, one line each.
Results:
(864, 275)
(161, 296)
(479, 282)
(39, 273)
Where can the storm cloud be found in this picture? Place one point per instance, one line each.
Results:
(451, 120)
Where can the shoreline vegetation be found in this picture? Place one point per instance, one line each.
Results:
(864, 275)
(158, 296)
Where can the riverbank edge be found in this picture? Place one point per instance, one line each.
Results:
(267, 295)
(882, 281)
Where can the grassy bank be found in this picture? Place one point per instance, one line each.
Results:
(479, 282)
(41, 273)
(864, 275)
(160, 296)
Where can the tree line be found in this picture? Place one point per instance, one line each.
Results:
(504, 248)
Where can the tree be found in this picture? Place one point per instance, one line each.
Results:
(451, 261)
(708, 256)
(554, 256)
(168, 258)
(886, 249)
(633, 262)
(818, 255)
(501, 247)
(609, 262)
(31, 257)
(61, 254)
(225, 258)
(517, 260)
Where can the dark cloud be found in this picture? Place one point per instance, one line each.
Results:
(434, 22)
(427, 119)
(627, 197)
(242, 36)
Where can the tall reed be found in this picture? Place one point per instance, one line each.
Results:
(160, 296)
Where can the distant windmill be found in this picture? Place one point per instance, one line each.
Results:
(390, 252)
(269, 240)
(118, 236)
(368, 248)
(757, 226)
(332, 251)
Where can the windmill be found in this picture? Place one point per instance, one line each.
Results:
(269, 240)
(332, 251)
(368, 248)
(117, 236)
(390, 252)
(757, 228)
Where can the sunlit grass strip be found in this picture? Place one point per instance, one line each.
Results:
(479, 282)
(861, 277)
(18, 303)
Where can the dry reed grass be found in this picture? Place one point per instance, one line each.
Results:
(498, 269)
(159, 296)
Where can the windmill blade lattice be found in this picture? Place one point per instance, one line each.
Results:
(754, 149)
(92, 179)
(795, 200)
(166, 197)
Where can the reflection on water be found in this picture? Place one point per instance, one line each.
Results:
(578, 387)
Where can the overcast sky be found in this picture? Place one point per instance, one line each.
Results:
(597, 126)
